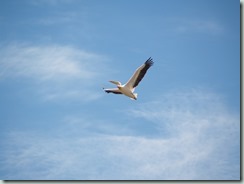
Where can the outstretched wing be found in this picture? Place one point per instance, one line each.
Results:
(112, 90)
(139, 74)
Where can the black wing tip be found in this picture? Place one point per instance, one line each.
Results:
(149, 62)
(108, 91)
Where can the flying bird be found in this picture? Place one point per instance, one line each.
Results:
(128, 88)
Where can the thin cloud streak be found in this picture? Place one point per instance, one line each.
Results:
(186, 25)
(202, 26)
(64, 18)
(50, 2)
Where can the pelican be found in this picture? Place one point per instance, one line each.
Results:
(128, 88)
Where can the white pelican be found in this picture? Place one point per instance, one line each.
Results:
(128, 88)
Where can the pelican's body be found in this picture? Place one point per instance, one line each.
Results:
(127, 91)
(128, 88)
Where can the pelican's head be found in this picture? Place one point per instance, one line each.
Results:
(116, 82)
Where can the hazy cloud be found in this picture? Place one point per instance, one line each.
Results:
(201, 142)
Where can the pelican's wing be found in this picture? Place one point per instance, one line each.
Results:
(113, 90)
(139, 74)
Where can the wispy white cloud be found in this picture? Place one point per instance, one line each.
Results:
(60, 71)
(202, 143)
(47, 62)
(199, 127)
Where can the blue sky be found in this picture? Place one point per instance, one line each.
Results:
(56, 121)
